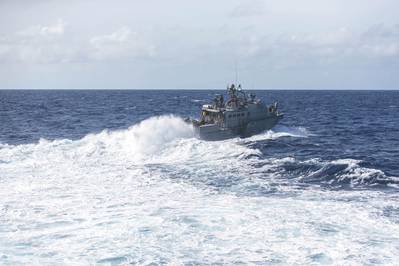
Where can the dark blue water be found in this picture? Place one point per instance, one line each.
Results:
(362, 125)
(109, 178)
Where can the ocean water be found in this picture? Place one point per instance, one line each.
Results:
(117, 178)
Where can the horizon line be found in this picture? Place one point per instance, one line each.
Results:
(185, 89)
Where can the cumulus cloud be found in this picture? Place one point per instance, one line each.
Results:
(50, 44)
(339, 46)
(123, 43)
(248, 9)
(56, 29)
(198, 41)
(39, 44)
(380, 41)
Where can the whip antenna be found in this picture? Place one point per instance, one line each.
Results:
(236, 71)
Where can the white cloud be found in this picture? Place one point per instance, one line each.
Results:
(384, 50)
(57, 29)
(52, 44)
(36, 44)
(248, 9)
(334, 37)
(188, 38)
(342, 46)
(121, 35)
(380, 41)
(123, 43)
(49, 44)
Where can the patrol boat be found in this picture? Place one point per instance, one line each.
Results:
(242, 115)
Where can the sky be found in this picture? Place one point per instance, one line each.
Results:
(159, 44)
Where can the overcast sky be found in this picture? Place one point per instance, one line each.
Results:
(306, 44)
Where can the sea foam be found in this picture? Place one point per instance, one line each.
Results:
(153, 193)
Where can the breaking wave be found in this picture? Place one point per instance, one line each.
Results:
(336, 173)
(137, 142)
(166, 144)
(281, 131)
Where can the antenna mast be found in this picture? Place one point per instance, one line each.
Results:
(236, 71)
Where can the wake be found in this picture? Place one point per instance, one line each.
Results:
(168, 143)
(150, 138)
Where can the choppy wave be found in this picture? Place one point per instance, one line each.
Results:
(281, 131)
(155, 194)
(168, 141)
(337, 173)
(140, 141)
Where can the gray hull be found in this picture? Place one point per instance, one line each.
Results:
(215, 132)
